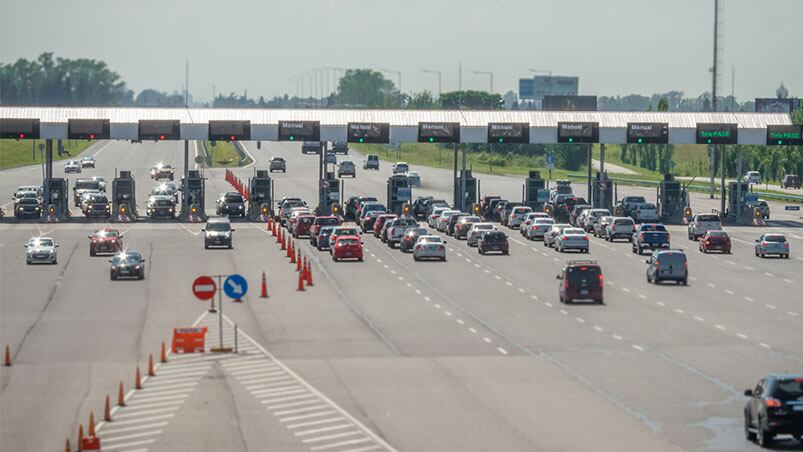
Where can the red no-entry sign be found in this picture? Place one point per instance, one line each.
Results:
(204, 287)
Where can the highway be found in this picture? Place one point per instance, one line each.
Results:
(475, 353)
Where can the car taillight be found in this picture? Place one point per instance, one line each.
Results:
(641, 236)
(668, 236)
(763, 244)
(601, 281)
(773, 403)
(786, 245)
(585, 238)
(441, 248)
(565, 283)
(686, 265)
(657, 265)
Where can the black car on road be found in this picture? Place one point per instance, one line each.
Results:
(775, 408)
(129, 264)
(231, 204)
(493, 241)
(278, 164)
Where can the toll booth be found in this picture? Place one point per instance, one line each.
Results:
(535, 192)
(469, 197)
(124, 197)
(672, 200)
(56, 201)
(399, 192)
(740, 202)
(329, 193)
(193, 201)
(260, 195)
(602, 192)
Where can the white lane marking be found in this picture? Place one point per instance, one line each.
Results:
(111, 431)
(289, 398)
(328, 437)
(437, 306)
(393, 272)
(401, 278)
(497, 277)
(468, 260)
(126, 445)
(743, 336)
(159, 404)
(448, 314)
(306, 416)
(270, 382)
(768, 274)
(319, 422)
(521, 290)
(788, 281)
(520, 243)
(107, 439)
(625, 289)
(638, 347)
(548, 304)
(617, 337)
(749, 299)
(580, 319)
(142, 413)
(692, 278)
(292, 404)
(747, 267)
(660, 303)
(502, 350)
(763, 345)
(642, 297)
(719, 327)
(534, 297)
(486, 339)
(102, 149)
(300, 410)
(731, 262)
(598, 328)
(427, 299)
(508, 283)
(792, 313)
(564, 312)
(417, 291)
(698, 318)
(770, 306)
(409, 285)
(477, 265)
(487, 271)
(322, 429)
(379, 260)
(460, 322)
(385, 265)
(137, 421)
(459, 255)
(728, 291)
(710, 285)
(680, 311)
(341, 444)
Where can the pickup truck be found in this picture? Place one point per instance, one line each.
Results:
(627, 206)
(703, 222)
(650, 236)
(646, 213)
(397, 230)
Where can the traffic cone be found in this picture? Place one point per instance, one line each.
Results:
(308, 274)
(7, 361)
(91, 429)
(264, 287)
(121, 396)
(290, 251)
(138, 380)
(300, 282)
(80, 436)
(107, 411)
(67, 447)
(298, 261)
(151, 373)
(281, 235)
(163, 355)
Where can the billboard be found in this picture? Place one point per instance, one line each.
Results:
(777, 105)
(526, 88)
(708, 133)
(570, 103)
(548, 85)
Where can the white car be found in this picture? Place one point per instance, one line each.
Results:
(572, 239)
(401, 168)
(475, 230)
(646, 213)
(72, 166)
(429, 247)
(752, 177)
(88, 162)
(702, 222)
(413, 179)
(539, 228)
(620, 228)
(443, 220)
(432, 220)
(592, 216)
(41, 250)
(517, 215)
(554, 231)
(772, 244)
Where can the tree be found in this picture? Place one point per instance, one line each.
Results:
(154, 98)
(366, 88)
(421, 101)
(471, 100)
(663, 104)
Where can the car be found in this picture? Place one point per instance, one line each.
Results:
(463, 225)
(627, 206)
(506, 210)
(342, 231)
(286, 205)
(41, 250)
(231, 204)
(129, 264)
(86, 195)
(561, 187)
(340, 147)
(411, 236)
(772, 243)
(452, 223)
(421, 205)
(351, 208)
(346, 168)
(538, 228)
(101, 182)
(28, 208)
(752, 177)
(476, 230)
(701, 223)
(25, 194)
(791, 181)
(27, 191)
(83, 185)
(442, 222)
(413, 179)
(572, 239)
(311, 147)
(620, 227)
(167, 189)
(347, 247)
(576, 211)
(368, 220)
(88, 162)
(72, 166)
(379, 223)
(529, 220)
(581, 280)
(302, 225)
(564, 205)
(652, 236)
(517, 215)
(763, 209)
(98, 205)
(432, 218)
(368, 203)
(294, 214)
(106, 240)
(162, 171)
(774, 407)
(579, 221)
(715, 240)
(277, 164)
(330, 158)
(400, 168)
(322, 237)
(429, 247)
(554, 231)
(646, 213)
(218, 232)
(434, 204)
(493, 241)
(600, 227)
(395, 230)
(668, 265)
(591, 217)
(161, 206)
(371, 162)
(320, 222)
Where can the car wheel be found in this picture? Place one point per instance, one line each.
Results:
(91, 252)
(112, 277)
(748, 434)
(415, 258)
(764, 437)
(359, 259)
(334, 258)
(685, 282)
(231, 246)
(443, 259)
(141, 276)
(656, 279)
(206, 247)
(479, 250)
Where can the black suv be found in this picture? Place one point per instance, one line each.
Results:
(340, 147)
(775, 408)
(791, 181)
(231, 204)
(493, 241)
(421, 205)
(581, 280)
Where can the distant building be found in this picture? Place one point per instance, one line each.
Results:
(547, 85)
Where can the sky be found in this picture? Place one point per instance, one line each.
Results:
(615, 47)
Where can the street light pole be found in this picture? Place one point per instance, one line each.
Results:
(398, 74)
(440, 78)
(490, 75)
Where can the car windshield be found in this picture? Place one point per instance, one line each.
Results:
(717, 234)
(87, 185)
(326, 230)
(787, 390)
(544, 221)
(653, 228)
(584, 273)
(331, 220)
(164, 202)
(708, 218)
(107, 233)
(218, 226)
(127, 258)
(671, 258)
(623, 221)
(495, 237)
(41, 242)
(306, 220)
(233, 198)
(573, 231)
(98, 199)
(345, 231)
(348, 241)
(647, 207)
(431, 240)
(774, 238)
(28, 201)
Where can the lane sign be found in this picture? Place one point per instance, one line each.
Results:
(235, 287)
(791, 207)
(204, 287)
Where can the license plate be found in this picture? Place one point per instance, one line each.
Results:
(584, 292)
(125, 272)
(797, 408)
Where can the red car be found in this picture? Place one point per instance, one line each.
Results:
(106, 240)
(328, 220)
(715, 240)
(380, 221)
(303, 225)
(347, 247)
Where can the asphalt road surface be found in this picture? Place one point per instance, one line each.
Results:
(475, 353)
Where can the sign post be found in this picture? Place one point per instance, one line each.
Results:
(204, 288)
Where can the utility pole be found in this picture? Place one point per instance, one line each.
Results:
(440, 79)
(399, 75)
(187, 84)
(491, 77)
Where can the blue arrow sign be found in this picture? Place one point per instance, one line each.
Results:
(550, 159)
(235, 287)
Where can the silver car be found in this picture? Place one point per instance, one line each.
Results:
(41, 250)
(592, 216)
(538, 228)
(72, 166)
(572, 239)
(772, 244)
(549, 237)
(429, 247)
(443, 220)
(432, 220)
(475, 230)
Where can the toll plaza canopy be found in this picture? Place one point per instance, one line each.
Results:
(406, 125)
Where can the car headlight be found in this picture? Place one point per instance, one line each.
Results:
(20, 209)
(137, 267)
